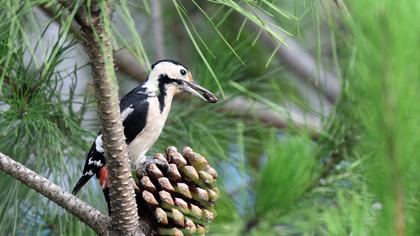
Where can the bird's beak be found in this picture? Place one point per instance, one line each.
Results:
(195, 89)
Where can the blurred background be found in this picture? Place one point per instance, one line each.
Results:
(316, 132)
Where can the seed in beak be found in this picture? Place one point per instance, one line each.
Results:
(210, 97)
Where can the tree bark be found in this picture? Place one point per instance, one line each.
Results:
(89, 215)
(98, 45)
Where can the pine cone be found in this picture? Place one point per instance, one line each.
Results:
(179, 194)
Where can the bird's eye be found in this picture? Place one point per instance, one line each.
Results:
(183, 72)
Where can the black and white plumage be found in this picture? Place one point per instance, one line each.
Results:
(143, 112)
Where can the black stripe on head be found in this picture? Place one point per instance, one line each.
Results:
(168, 60)
(164, 80)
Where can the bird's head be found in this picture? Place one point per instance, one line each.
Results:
(170, 75)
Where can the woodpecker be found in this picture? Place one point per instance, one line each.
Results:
(143, 113)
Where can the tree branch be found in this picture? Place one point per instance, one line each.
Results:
(98, 43)
(253, 109)
(89, 215)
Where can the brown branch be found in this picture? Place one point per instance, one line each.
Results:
(253, 109)
(89, 215)
(98, 43)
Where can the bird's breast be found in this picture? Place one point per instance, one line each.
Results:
(154, 125)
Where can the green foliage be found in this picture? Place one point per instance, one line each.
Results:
(378, 122)
(40, 121)
(386, 66)
(290, 169)
(352, 212)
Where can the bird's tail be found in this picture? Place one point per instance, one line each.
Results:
(82, 181)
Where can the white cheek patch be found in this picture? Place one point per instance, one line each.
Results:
(176, 72)
(98, 144)
(170, 69)
(126, 112)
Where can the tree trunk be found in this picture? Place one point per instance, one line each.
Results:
(99, 47)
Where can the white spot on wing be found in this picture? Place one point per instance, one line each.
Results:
(98, 144)
(88, 173)
(97, 163)
(126, 112)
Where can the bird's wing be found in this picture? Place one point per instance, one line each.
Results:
(134, 108)
(135, 122)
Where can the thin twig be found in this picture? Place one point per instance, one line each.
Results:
(89, 215)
